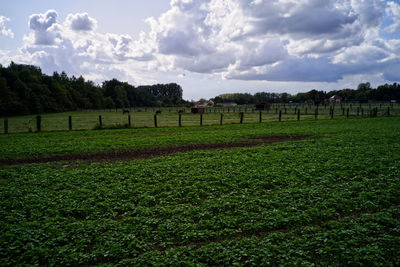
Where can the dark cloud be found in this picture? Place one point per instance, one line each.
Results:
(392, 71)
(294, 69)
(305, 21)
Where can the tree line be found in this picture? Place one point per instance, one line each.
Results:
(364, 92)
(24, 89)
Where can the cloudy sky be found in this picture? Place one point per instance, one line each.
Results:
(209, 47)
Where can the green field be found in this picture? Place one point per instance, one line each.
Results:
(144, 117)
(332, 199)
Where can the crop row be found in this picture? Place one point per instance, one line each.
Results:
(161, 210)
(14, 146)
(367, 240)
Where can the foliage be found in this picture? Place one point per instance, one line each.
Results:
(363, 92)
(24, 89)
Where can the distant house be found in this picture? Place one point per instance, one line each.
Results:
(335, 99)
(201, 104)
(228, 104)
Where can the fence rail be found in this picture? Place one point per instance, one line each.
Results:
(152, 117)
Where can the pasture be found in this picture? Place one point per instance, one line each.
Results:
(169, 117)
(314, 192)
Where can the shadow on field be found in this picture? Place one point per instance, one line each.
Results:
(147, 153)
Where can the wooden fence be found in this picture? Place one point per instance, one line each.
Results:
(164, 117)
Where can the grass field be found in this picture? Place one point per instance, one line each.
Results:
(331, 199)
(144, 117)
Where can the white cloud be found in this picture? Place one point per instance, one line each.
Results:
(44, 28)
(81, 22)
(261, 52)
(250, 40)
(4, 57)
(278, 40)
(3, 29)
(74, 46)
(393, 11)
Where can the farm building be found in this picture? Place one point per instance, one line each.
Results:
(204, 103)
(335, 99)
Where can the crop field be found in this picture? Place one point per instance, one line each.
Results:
(169, 117)
(304, 193)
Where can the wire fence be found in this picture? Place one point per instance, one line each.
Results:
(178, 116)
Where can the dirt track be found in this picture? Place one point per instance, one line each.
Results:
(146, 153)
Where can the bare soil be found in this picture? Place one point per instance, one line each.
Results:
(147, 153)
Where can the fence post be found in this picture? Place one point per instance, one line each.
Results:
(316, 113)
(362, 112)
(100, 122)
(241, 117)
(201, 119)
(331, 111)
(306, 112)
(129, 120)
(70, 123)
(260, 117)
(388, 113)
(155, 120)
(221, 119)
(280, 115)
(298, 114)
(180, 120)
(5, 125)
(38, 123)
(347, 112)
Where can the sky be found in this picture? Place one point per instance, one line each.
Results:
(209, 47)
